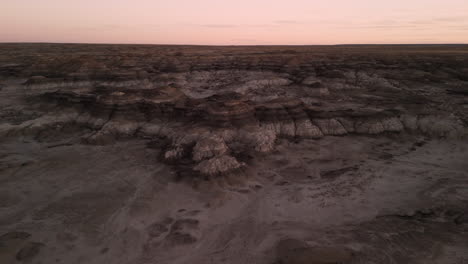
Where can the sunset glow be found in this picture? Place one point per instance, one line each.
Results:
(251, 22)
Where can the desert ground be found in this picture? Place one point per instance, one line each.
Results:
(142, 154)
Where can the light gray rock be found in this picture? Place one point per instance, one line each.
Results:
(218, 165)
(305, 129)
(209, 147)
(330, 127)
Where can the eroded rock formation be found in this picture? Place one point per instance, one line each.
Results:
(212, 111)
(291, 154)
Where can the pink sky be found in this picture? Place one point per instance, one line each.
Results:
(215, 22)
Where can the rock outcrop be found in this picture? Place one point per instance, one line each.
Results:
(213, 111)
(218, 165)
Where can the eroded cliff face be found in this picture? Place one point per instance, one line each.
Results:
(229, 124)
(227, 115)
(242, 104)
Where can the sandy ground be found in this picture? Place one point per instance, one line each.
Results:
(118, 204)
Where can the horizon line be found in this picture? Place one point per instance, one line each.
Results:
(234, 45)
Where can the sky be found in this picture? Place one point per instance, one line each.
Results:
(239, 22)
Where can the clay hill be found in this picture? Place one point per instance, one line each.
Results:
(194, 154)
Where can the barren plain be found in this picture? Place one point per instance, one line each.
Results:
(245, 154)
